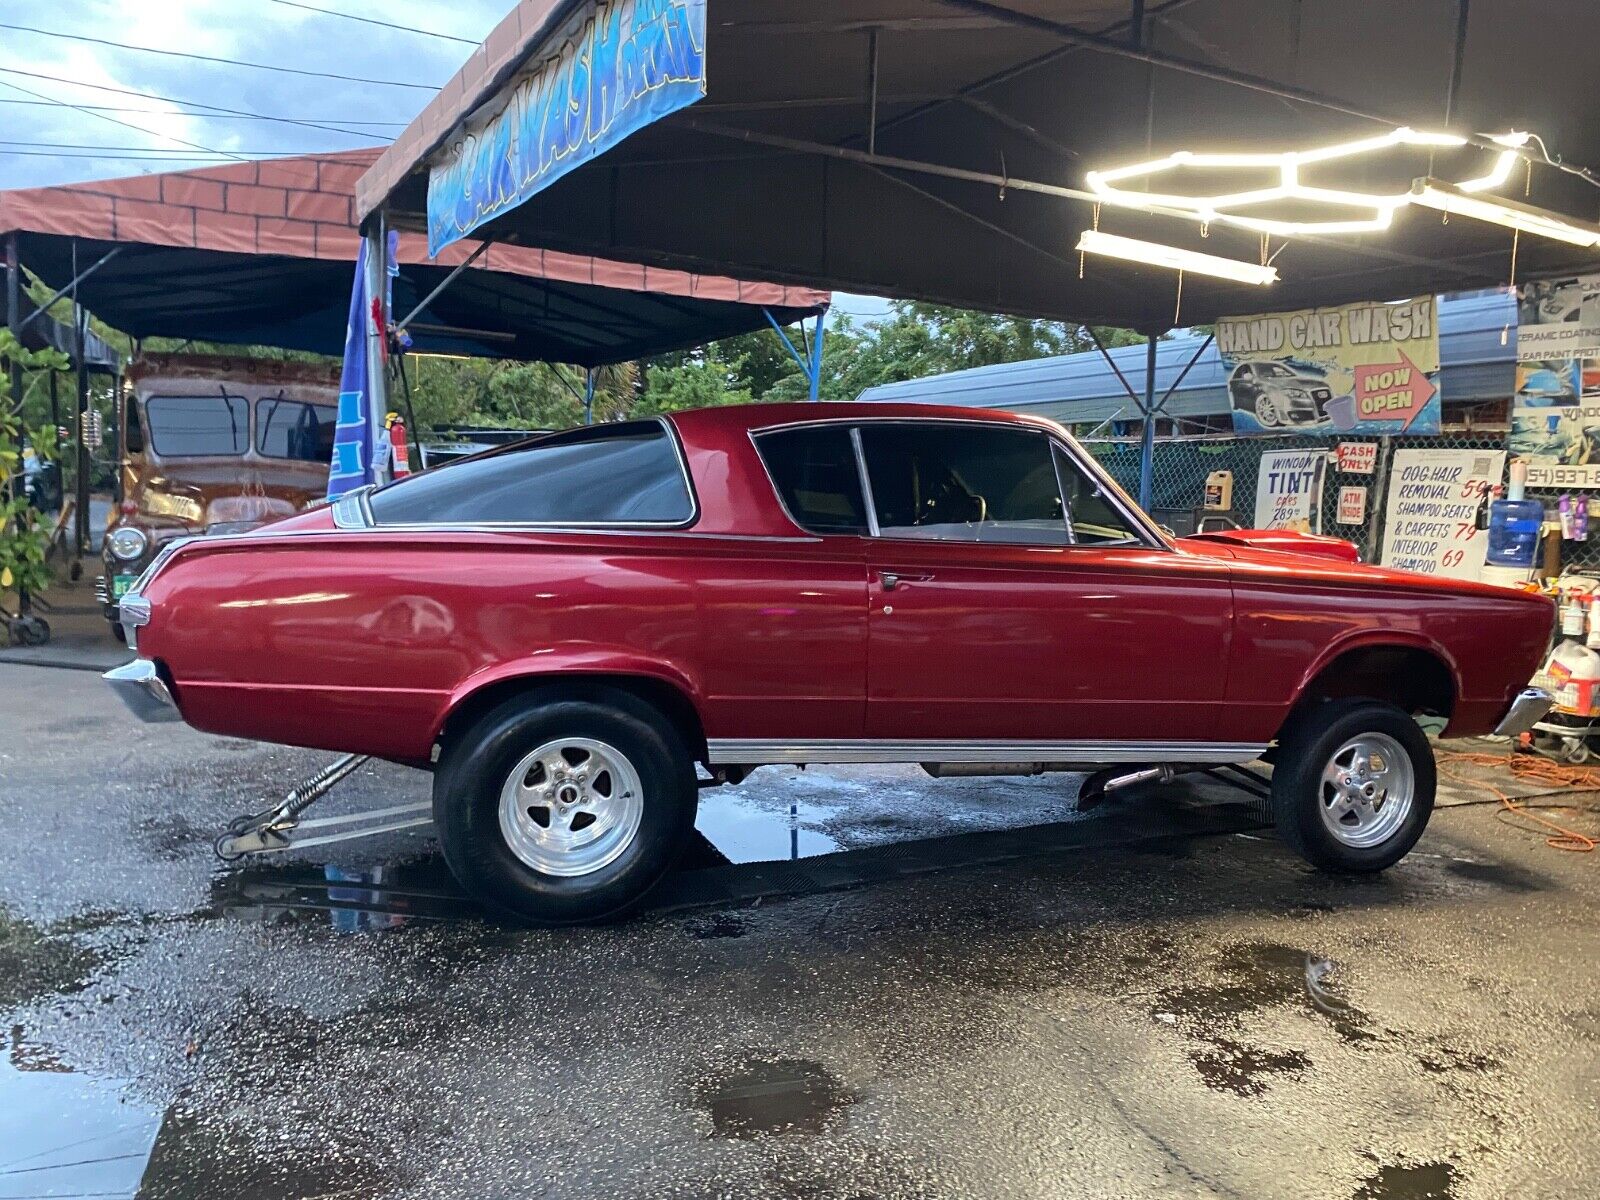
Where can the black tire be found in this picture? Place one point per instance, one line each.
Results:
(1307, 746)
(477, 761)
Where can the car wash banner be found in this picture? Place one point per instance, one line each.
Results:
(1555, 411)
(610, 69)
(1358, 368)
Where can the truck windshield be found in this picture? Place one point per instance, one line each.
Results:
(295, 429)
(198, 426)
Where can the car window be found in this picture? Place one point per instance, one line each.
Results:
(961, 482)
(198, 426)
(295, 429)
(814, 469)
(625, 474)
(1095, 520)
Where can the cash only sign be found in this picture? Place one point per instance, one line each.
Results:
(1358, 368)
(611, 68)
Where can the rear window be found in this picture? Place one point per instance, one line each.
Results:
(295, 429)
(198, 426)
(626, 474)
(814, 469)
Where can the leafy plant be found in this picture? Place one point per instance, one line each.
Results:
(23, 539)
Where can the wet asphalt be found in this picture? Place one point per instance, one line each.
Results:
(960, 988)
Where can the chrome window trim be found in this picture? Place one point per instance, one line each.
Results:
(761, 751)
(507, 526)
(869, 502)
(574, 530)
(1139, 521)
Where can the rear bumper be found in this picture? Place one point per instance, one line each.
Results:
(140, 686)
(1528, 708)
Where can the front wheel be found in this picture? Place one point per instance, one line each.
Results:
(565, 807)
(1353, 786)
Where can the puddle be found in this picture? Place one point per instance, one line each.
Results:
(36, 962)
(1256, 975)
(1424, 1181)
(745, 833)
(1230, 1066)
(64, 1134)
(344, 899)
(769, 1097)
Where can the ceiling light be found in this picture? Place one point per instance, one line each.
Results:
(1450, 198)
(1158, 255)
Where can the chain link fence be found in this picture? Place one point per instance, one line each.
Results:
(1182, 464)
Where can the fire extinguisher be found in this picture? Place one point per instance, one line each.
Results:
(399, 456)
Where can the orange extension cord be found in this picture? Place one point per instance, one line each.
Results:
(1540, 772)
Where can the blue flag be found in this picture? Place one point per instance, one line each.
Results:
(355, 436)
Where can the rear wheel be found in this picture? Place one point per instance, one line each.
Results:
(1353, 785)
(565, 807)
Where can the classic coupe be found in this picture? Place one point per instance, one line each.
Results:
(561, 630)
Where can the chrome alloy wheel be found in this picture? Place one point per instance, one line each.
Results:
(571, 807)
(1367, 790)
(1266, 410)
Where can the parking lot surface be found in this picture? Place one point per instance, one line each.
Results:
(958, 987)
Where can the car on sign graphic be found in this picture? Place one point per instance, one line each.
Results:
(564, 629)
(1276, 395)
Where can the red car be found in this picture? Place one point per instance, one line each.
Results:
(563, 628)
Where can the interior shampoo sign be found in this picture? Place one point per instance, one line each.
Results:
(1430, 523)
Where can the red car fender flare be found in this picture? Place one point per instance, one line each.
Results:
(1363, 638)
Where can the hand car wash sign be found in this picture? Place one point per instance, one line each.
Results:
(611, 69)
(1359, 368)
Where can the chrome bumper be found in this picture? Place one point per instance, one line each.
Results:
(143, 691)
(1529, 707)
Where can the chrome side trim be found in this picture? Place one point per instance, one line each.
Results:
(754, 751)
(349, 510)
(133, 612)
(139, 685)
(1526, 710)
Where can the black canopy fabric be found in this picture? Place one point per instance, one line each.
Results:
(779, 172)
(46, 333)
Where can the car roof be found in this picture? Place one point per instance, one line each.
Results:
(740, 418)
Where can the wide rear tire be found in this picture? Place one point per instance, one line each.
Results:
(1353, 785)
(564, 807)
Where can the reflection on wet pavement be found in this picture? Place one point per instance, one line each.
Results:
(1424, 1181)
(743, 832)
(759, 1098)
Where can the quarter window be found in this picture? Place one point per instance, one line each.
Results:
(625, 474)
(814, 469)
(960, 482)
(1095, 520)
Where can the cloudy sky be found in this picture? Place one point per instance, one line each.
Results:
(75, 107)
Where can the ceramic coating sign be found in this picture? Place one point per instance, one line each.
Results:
(1289, 490)
(614, 67)
(1555, 412)
(1360, 368)
(1430, 522)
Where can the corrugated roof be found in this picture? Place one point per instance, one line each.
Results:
(1474, 367)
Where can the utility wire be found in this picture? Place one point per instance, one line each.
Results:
(222, 115)
(209, 108)
(333, 12)
(162, 152)
(17, 87)
(227, 62)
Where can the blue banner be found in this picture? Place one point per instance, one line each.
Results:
(613, 69)
(355, 435)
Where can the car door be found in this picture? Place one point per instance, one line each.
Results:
(1011, 597)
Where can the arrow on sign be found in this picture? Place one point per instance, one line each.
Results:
(1392, 391)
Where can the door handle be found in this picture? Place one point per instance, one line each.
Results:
(893, 579)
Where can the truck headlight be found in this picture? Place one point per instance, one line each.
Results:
(127, 543)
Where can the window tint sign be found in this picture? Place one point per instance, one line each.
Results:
(614, 67)
(1289, 490)
(1555, 412)
(1359, 368)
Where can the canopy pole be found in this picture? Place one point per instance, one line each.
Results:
(376, 319)
(80, 519)
(588, 395)
(72, 284)
(816, 358)
(444, 283)
(872, 92)
(1147, 442)
(810, 363)
(14, 320)
(1161, 405)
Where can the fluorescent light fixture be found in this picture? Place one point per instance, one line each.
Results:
(1451, 198)
(1156, 255)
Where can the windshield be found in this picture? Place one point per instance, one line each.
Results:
(295, 429)
(1276, 371)
(198, 426)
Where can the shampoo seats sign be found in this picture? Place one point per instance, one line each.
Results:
(1360, 368)
(1430, 522)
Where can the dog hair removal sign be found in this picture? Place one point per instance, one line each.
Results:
(1359, 368)
(1430, 522)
